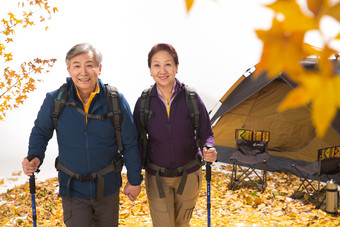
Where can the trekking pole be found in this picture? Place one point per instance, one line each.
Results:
(208, 178)
(32, 191)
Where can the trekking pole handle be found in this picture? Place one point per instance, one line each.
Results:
(32, 184)
(208, 168)
(32, 191)
(32, 179)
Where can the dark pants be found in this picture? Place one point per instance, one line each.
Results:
(89, 213)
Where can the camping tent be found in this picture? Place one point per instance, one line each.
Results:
(251, 103)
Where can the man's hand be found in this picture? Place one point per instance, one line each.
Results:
(29, 167)
(209, 155)
(132, 191)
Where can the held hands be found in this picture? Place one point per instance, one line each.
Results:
(209, 155)
(132, 191)
(29, 167)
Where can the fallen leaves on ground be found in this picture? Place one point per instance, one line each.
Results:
(242, 207)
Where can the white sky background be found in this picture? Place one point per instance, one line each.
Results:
(215, 41)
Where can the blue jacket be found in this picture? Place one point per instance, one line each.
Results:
(87, 148)
(172, 141)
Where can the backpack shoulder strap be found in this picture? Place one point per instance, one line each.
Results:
(59, 104)
(113, 102)
(144, 114)
(144, 111)
(192, 102)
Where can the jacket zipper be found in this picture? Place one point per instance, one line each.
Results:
(171, 144)
(169, 128)
(169, 131)
(88, 158)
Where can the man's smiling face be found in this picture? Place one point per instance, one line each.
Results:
(84, 71)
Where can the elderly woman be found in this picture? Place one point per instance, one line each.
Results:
(173, 154)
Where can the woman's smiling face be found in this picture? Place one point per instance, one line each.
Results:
(163, 69)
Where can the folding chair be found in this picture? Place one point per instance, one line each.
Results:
(250, 154)
(327, 166)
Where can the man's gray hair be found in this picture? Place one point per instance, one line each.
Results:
(83, 48)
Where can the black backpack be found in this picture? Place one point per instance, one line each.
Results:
(113, 103)
(146, 114)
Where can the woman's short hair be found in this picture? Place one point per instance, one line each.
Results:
(160, 47)
(83, 48)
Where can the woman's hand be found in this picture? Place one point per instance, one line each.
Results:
(209, 154)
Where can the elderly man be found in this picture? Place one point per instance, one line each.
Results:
(89, 156)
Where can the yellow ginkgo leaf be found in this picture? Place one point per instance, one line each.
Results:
(334, 11)
(337, 36)
(337, 90)
(316, 6)
(189, 4)
(323, 95)
(324, 108)
(309, 50)
(311, 83)
(282, 51)
(8, 57)
(292, 13)
(295, 98)
(326, 66)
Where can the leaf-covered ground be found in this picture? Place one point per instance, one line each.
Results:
(242, 207)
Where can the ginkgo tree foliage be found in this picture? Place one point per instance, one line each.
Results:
(17, 81)
(284, 47)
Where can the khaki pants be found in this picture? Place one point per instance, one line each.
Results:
(89, 213)
(174, 210)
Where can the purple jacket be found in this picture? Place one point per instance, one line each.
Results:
(172, 142)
